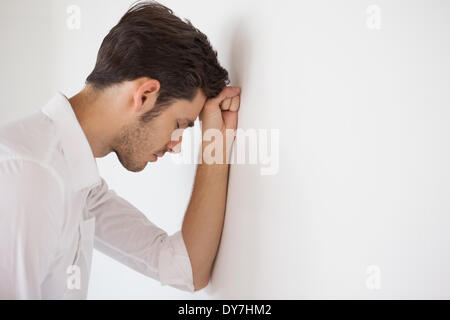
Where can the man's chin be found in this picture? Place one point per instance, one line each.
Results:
(133, 167)
(129, 165)
(136, 168)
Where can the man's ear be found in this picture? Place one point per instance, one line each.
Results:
(146, 94)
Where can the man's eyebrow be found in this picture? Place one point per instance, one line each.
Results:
(189, 122)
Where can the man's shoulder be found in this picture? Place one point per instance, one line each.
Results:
(32, 138)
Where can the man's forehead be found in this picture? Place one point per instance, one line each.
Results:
(199, 100)
(188, 111)
(200, 96)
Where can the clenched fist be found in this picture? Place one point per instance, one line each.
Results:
(219, 119)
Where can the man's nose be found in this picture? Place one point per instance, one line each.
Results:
(174, 146)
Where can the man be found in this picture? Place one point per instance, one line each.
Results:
(154, 75)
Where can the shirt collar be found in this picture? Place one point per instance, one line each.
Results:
(83, 171)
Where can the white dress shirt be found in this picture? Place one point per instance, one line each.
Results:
(55, 208)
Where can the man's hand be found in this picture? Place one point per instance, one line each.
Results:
(221, 114)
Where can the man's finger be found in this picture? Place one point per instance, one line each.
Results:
(227, 92)
(226, 104)
(235, 103)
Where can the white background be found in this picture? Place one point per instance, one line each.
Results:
(359, 207)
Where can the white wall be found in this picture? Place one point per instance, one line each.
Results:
(359, 206)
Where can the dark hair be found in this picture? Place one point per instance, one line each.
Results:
(150, 41)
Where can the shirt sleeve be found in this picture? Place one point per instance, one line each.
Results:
(31, 202)
(125, 234)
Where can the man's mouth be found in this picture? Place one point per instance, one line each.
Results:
(161, 153)
(156, 156)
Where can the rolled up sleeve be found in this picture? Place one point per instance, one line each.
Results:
(125, 234)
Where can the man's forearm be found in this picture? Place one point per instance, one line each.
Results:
(203, 221)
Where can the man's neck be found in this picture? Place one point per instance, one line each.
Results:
(87, 106)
